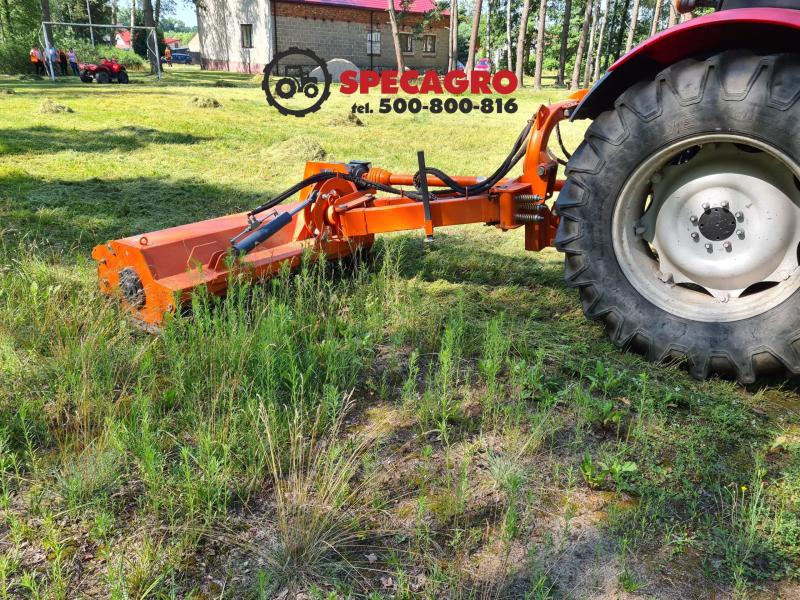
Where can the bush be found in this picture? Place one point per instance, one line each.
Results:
(87, 54)
(14, 57)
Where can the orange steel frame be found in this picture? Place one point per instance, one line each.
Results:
(172, 263)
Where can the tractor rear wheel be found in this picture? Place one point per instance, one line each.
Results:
(102, 77)
(122, 77)
(680, 218)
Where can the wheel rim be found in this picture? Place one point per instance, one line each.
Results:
(708, 228)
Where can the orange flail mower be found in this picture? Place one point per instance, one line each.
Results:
(338, 212)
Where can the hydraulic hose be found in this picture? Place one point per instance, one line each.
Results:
(260, 234)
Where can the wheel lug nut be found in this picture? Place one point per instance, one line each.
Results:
(740, 233)
(695, 236)
(739, 215)
(706, 206)
(693, 220)
(709, 248)
(727, 246)
(724, 204)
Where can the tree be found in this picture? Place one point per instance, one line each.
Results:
(488, 46)
(133, 13)
(576, 69)
(562, 52)
(398, 51)
(537, 75)
(599, 53)
(588, 69)
(673, 15)
(452, 46)
(113, 12)
(46, 17)
(656, 18)
(508, 36)
(620, 31)
(521, 34)
(473, 37)
(632, 28)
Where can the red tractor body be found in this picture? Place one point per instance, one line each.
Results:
(761, 29)
(106, 72)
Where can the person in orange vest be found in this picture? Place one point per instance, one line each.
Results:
(168, 55)
(37, 60)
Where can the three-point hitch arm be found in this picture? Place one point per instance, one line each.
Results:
(341, 208)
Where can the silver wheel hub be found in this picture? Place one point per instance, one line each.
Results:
(722, 218)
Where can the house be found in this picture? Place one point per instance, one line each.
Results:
(173, 42)
(194, 49)
(123, 39)
(244, 36)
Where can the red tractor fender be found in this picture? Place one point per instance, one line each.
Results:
(761, 29)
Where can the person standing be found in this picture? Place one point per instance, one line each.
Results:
(62, 60)
(168, 56)
(51, 56)
(37, 60)
(73, 62)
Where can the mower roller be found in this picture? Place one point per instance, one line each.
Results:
(679, 215)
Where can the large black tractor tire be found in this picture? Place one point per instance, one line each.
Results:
(102, 77)
(754, 99)
(122, 77)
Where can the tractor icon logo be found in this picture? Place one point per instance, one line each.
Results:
(296, 95)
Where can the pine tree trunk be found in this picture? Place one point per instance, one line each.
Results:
(632, 28)
(46, 17)
(621, 29)
(599, 52)
(588, 69)
(562, 53)
(508, 35)
(656, 18)
(473, 37)
(133, 18)
(452, 49)
(398, 51)
(537, 74)
(158, 13)
(489, 32)
(673, 16)
(576, 68)
(113, 12)
(521, 41)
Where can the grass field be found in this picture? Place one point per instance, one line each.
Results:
(437, 422)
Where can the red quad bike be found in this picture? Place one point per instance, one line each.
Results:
(679, 216)
(106, 72)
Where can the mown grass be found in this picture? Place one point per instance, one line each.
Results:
(436, 421)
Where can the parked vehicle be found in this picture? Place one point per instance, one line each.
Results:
(483, 64)
(179, 58)
(106, 72)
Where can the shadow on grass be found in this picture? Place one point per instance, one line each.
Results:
(84, 213)
(45, 138)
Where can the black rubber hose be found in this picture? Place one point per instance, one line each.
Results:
(288, 193)
(517, 152)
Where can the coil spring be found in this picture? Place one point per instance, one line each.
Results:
(528, 218)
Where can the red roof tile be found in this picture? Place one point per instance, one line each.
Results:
(417, 6)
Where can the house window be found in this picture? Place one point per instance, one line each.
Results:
(406, 43)
(373, 43)
(247, 35)
(429, 44)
